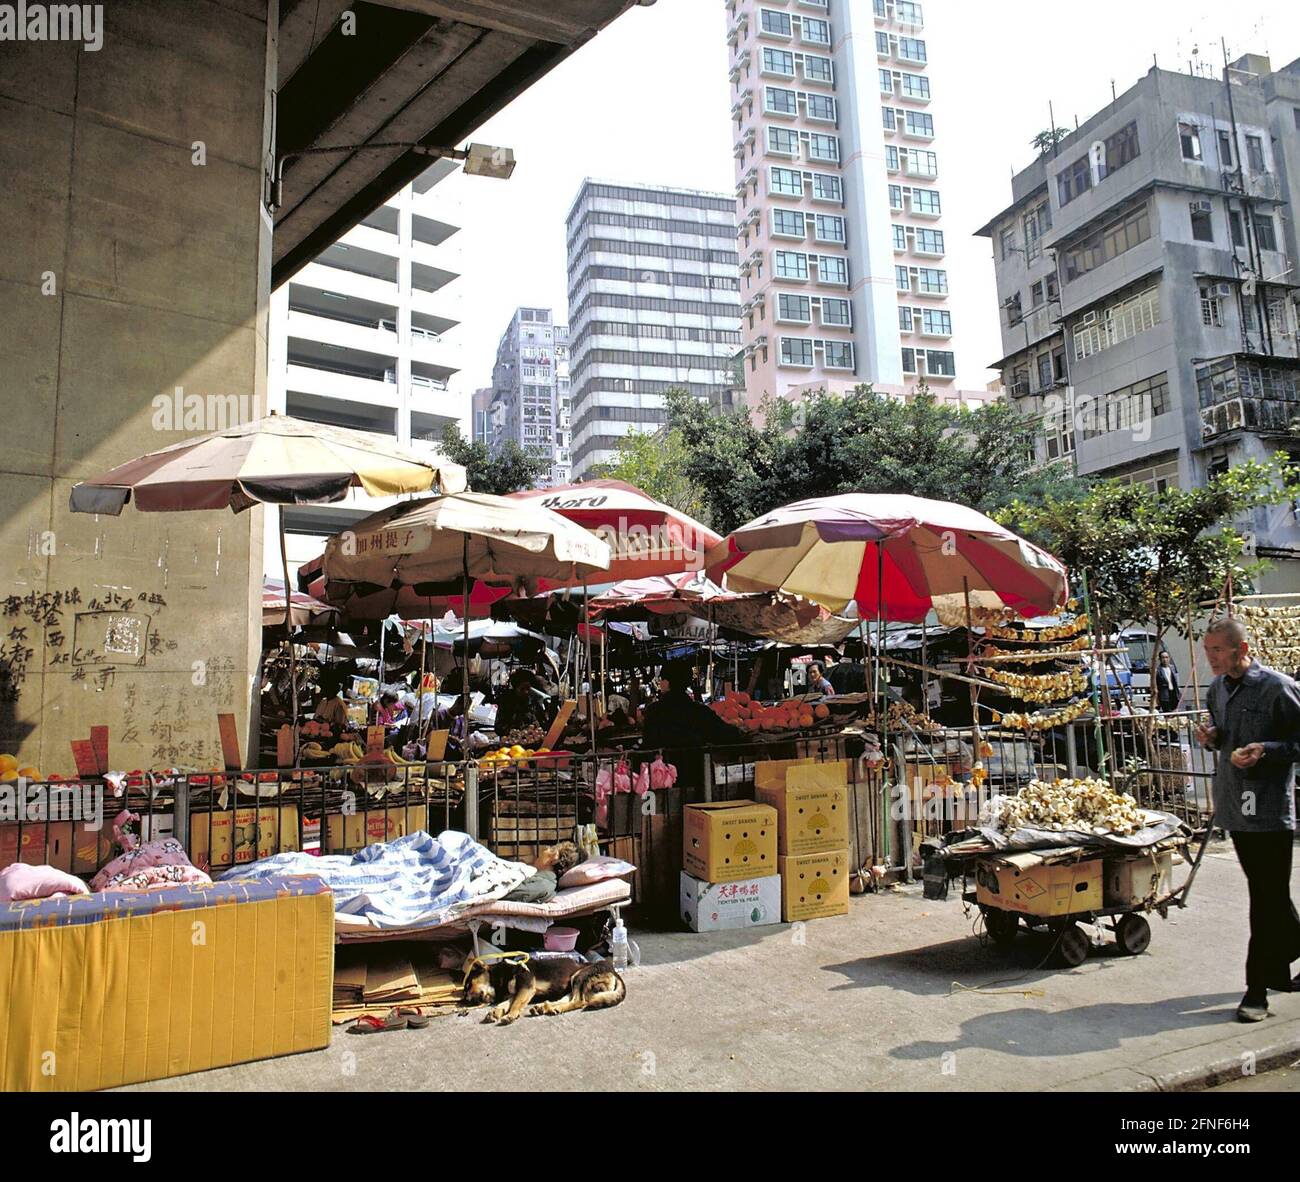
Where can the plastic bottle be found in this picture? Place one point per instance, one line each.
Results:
(618, 945)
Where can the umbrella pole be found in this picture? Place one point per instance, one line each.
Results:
(970, 659)
(288, 630)
(464, 667)
(713, 644)
(586, 620)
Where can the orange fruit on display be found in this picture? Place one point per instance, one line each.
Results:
(8, 764)
(822, 711)
(30, 773)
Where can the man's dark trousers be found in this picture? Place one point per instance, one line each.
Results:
(1274, 924)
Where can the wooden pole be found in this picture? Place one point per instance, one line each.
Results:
(713, 643)
(1191, 656)
(288, 632)
(464, 660)
(591, 678)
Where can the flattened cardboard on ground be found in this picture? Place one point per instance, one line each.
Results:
(721, 906)
(730, 840)
(814, 886)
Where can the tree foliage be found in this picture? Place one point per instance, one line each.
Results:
(746, 466)
(656, 464)
(1147, 554)
(509, 470)
(1048, 138)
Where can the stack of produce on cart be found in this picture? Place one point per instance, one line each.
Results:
(1087, 805)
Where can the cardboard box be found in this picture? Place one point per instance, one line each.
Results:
(1131, 881)
(222, 839)
(1025, 884)
(814, 886)
(729, 841)
(719, 906)
(37, 847)
(812, 808)
(362, 829)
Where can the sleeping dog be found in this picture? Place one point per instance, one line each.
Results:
(557, 985)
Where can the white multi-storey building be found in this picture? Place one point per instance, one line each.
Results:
(653, 307)
(837, 186)
(359, 339)
(530, 390)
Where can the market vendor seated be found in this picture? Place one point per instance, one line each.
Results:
(681, 727)
(553, 862)
(519, 707)
(330, 708)
(390, 712)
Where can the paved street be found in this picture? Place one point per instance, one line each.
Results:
(898, 995)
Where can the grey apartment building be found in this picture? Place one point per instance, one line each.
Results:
(1147, 291)
(654, 304)
(530, 391)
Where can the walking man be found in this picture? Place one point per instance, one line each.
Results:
(1255, 727)
(1168, 691)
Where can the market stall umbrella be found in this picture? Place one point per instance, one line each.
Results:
(277, 460)
(898, 556)
(303, 609)
(441, 543)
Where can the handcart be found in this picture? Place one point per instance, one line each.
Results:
(1059, 889)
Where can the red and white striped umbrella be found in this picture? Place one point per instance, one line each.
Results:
(303, 608)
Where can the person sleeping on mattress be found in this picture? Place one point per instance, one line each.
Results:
(553, 862)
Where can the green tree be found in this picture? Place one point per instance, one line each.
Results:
(656, 464)
(510, 470)
(1047, 139)
(746, 466)
(1148, 555)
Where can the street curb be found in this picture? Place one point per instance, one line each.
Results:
(1182, 1073)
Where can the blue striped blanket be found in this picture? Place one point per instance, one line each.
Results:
(416, 881)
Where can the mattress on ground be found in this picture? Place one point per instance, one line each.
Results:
(122, 987)
(567, 904)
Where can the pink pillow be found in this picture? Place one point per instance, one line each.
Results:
(21, 881)
(597, 868)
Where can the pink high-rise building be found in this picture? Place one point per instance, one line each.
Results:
(841, 235)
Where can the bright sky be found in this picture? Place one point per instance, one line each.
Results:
(648, 102)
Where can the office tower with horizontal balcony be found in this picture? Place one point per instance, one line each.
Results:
(530, 390)
(653, 306)
(841, 237)
(359, 338)
(1145, 276)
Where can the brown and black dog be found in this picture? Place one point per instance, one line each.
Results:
(558, 985)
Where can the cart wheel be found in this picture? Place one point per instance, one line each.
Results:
(1001, 925)
(1072, 946)
(1132, 934)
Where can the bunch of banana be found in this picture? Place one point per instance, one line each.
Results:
(313, 750)
(349, 752)
(1058, 632)
(1073, 646)
(1248, 612)
(1040, 687)
(1042, 720)
(1090, 805)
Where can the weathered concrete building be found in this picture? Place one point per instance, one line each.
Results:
(1145, 272)
(140, 250)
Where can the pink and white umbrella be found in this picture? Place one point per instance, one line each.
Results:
(897, 556)
(303, 608)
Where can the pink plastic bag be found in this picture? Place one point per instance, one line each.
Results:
(662, 775)
(641, 782)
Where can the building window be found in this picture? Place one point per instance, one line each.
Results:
(1096, 332)
(776, 22)
(1121, 149)
(911, 48)
(786, 181)
(929, 241)
(1007, 242)
(896, 197)
(1126, 408)
(919, 162)
(889, 118)
(926, 201)
(827, 187)
(908, 12)
(900, 237)
(817, 69)
(818, 32)
(1044, 371)
(791, 264)
(788, 223)
(1036, 295)
(1211, 306)
(836, 313)
(936, 322)
(915, 86)
(837, 354)
(833, 269)
(882, 44)
(1255, 153)
(891, 158)
(1202, 226)
(1225, 149)
(783, 141)
(1053, 290)
(1189, 136)
(821, 107)
(1107, 243)
(1235, 227)
(902, 282)
(909, 361)
(823, 147)
(886, 82)
(829, 229)
(1015, 311)
(779, 101)
(1265, 233)
(931, 281)
(797, 351)
(919, 123)
(778, 61)
(905, 321)
(794, 309)
(1058, 364)
(940, 362)
(1074, 182)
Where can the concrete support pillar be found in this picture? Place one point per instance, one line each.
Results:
(134, 286)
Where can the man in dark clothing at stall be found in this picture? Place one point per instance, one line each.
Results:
(1168, 691)
(1255, 727)
(848, 677)
(519, 706)
(681, 727)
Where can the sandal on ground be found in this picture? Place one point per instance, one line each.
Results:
(415, 1017)
(369, 1024)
